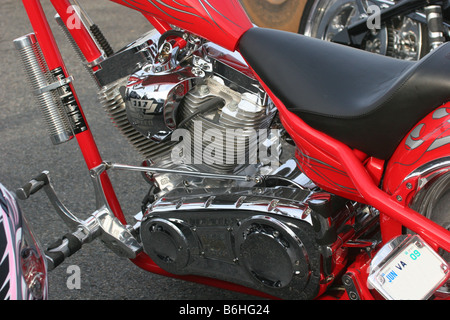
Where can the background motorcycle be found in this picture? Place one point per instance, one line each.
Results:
(404, 31)
(22, 44)
(23, 267)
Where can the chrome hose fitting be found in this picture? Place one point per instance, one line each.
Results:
(45, 89)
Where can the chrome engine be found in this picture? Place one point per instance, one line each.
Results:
(196, 110)
(166, 99)
(199, 110)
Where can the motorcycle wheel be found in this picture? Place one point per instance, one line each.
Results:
(401, 38)
(433, 201)
(276, 14)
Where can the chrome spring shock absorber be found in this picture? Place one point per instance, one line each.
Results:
(45, 88)
(435, 26)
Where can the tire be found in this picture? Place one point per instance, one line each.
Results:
(322, 19)
(276, 14)
(306, 12)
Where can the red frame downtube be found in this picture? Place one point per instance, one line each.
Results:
(80, 34)
(54, 60)
(159, 25)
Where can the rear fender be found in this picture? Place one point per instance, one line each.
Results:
(424, 152)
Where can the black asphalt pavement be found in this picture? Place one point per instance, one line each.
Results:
(26, 150)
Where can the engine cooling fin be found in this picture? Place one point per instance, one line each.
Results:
(112, 101)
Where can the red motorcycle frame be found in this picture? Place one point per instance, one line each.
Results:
(224, 23)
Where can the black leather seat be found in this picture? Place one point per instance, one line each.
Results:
(368, 101)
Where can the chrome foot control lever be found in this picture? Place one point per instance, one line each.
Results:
(42, 181)
(100, 224)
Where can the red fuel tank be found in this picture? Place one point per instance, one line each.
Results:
(220, 21)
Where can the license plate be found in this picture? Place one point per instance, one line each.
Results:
(412, 271)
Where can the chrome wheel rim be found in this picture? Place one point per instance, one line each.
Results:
(433, 201)
(327, 18)
(408, 39)
(400, 39)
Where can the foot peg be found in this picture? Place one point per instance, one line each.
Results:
(63, 248)
(33, 186)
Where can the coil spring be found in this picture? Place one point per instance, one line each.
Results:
(77, 50)
(39, 77)
(104, 44)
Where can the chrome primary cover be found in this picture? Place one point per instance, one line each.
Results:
(259, 238)
(276, 236)
(280, 240)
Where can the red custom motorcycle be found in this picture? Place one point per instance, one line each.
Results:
(278, 165)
